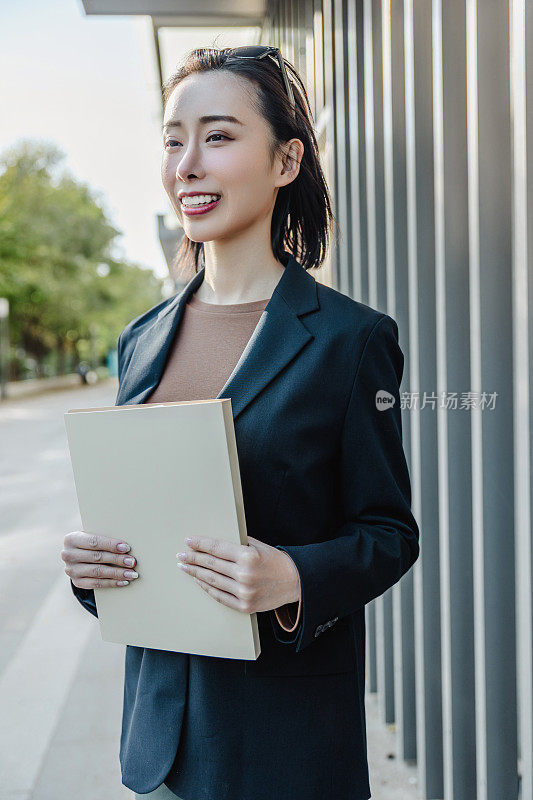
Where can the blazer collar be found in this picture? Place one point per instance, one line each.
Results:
(277, 338)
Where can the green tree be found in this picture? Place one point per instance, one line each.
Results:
(56, 260)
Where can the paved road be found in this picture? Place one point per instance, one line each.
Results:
(60, 684)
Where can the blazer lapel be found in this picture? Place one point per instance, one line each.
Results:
(278, 337)
(151, 348)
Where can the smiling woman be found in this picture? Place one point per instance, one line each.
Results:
(324, 478)
(249, 152)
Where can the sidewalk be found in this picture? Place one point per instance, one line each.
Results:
(36, 386)
(390, 777)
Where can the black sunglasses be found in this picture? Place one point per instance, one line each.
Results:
(262, 51)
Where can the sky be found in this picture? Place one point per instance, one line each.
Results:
(89, 85)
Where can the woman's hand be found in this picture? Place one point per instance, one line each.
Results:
(97, 562)
(249, 578)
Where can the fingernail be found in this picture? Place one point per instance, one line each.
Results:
(129, 562)
(123, 547)
(181, 556)
(129, 573)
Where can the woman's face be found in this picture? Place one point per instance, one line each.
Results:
(226, 157)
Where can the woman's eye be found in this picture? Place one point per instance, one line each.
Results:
(172, 142)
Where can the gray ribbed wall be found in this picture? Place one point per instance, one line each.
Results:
(421, 109)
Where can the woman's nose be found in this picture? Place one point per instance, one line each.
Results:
(188, 166)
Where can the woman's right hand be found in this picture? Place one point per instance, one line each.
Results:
(96, 562)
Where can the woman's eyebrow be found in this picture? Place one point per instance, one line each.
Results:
(176, 123)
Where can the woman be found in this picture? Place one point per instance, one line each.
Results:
(314, 380)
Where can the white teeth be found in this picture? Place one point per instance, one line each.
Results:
(199, 199)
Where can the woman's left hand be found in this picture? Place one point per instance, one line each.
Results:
(249, 578)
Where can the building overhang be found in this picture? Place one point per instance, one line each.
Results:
(185, 13)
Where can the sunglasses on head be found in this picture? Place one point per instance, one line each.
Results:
(262, 51)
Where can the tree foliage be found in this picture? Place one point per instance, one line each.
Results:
(57, 268)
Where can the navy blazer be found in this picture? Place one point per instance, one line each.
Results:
(316, 407)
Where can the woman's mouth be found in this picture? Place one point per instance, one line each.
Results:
(199, 204)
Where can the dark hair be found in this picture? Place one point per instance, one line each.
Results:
(302, 213)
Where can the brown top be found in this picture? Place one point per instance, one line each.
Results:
(207, 345)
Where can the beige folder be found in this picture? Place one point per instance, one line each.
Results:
(154, 474)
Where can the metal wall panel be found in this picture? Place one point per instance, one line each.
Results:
(353, 147)
(398, 304)
(455, 456)
(318, 36)
(421, 211)
(522, 59)
(342, 150)
(384, 271)
(330, 126)
(370, 152)
(492, 359)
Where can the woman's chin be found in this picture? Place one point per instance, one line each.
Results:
(204, 233)
(195, 236)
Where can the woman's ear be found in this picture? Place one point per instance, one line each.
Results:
(290, 162)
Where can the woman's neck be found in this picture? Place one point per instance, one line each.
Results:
(242, 270)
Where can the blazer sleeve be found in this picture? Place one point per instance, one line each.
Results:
(86, 596)
(379, 539)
